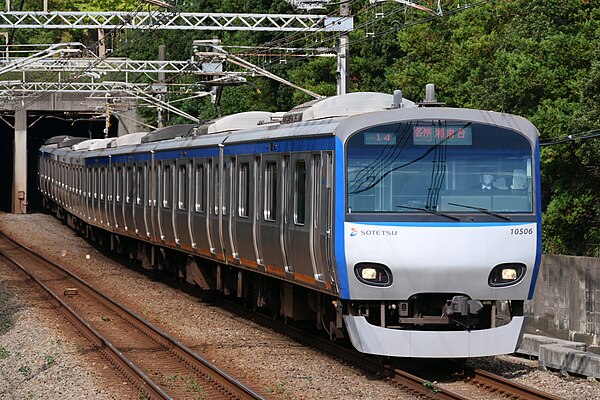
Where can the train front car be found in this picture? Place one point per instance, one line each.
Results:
(441, 230)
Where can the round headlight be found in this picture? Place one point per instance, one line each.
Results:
(373, 274)
(507, 274)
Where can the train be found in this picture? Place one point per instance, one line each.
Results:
(411, 229)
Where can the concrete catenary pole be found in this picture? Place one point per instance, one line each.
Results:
(343, 53)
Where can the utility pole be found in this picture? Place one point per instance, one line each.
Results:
(343, 53)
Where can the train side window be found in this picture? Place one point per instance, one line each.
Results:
(95, 184)
(244, 185)
(182, 188)
(270, 191)
(119, 182)
(139, 179)
(109, 184)
(89, 183)
(128, 185)
(167, 183)
(216, 190)
(300, 193)
(200, 193)
(149, 194)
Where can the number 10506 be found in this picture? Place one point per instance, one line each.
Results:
(521, 231)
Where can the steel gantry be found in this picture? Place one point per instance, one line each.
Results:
(173, 21)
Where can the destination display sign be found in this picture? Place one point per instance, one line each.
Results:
(449, 135)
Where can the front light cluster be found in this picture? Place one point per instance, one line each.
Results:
(373, 274)
(507, 274)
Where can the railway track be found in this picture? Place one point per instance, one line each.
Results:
(462, 383)
(157, 365)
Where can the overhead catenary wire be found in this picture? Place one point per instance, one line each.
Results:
(592, 134)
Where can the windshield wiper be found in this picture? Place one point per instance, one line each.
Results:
(483, 210)
(427, 210)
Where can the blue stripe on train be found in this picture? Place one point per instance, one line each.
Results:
(266, 147)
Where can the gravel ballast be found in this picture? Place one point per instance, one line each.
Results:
(270, 363)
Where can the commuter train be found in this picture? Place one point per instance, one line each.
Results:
(414, 230)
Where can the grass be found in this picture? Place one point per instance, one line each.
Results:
(51, 359)
(192, 384)
(25, 370)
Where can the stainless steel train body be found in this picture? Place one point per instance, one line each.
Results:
(362, 216)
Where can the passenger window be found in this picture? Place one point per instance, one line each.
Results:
(300, 192)
(139, 179)
(182, 188)
(244, 185)
(167, 184)
(119, 181)
(95, 183)
(199, 195)
(129, 185)
(270, 191)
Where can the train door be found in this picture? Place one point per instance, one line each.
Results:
(245, 210)
(322, 174)
(217, 207)
(271, 232)
(111, 195)
(119, 198)
(230, 192)
(298, 216)
(138, 199)
(152, 197)
(200, 220)
(166, 198)
(128, 199)
(93, 195)
(181, 206)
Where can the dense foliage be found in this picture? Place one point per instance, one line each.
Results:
(535, 58)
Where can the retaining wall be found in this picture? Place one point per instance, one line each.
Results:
(566, 303)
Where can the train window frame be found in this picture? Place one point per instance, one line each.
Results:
(182, 187)
(200, 188)
(244, 190)
(299, 194)
(270, 186)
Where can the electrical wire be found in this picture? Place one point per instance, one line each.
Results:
(593, 134)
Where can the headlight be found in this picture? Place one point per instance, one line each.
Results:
(373, 274)
(507, 274)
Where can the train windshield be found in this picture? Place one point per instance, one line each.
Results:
(439, 167)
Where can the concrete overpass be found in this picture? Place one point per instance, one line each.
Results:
(27, 122)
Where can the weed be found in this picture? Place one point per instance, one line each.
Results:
(192, 384)
(4, 353)
(429, 385)
(25, 370)
(51, 359)
(6, 322)
(105, 318)
(142, 395)
(280, 390)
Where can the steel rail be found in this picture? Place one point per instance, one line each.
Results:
(515, 389)
(122, 364)
(188, 356)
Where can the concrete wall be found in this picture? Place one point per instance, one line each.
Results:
(566, 303)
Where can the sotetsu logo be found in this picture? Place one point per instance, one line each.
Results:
(372, 232)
